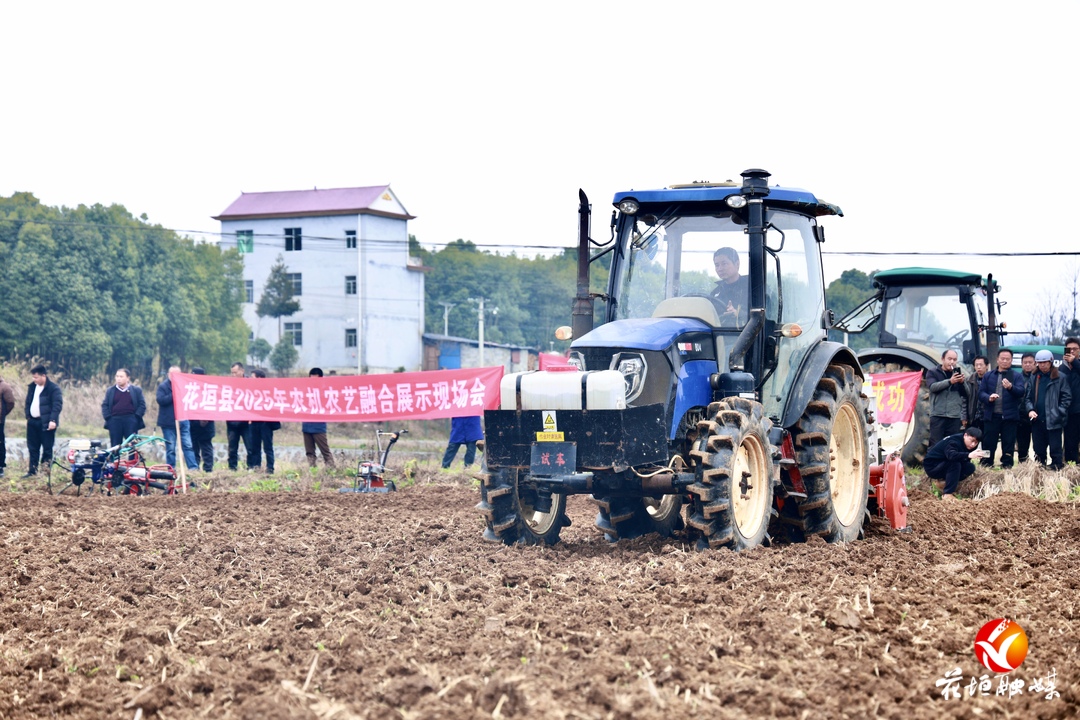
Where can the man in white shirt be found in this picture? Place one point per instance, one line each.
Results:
(44, 401)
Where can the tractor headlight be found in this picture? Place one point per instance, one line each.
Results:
(629, 207)
(633, 369)
(736, 201)
(577, 360)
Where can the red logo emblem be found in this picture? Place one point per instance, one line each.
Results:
(1001, 645)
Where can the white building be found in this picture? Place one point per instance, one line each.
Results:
(347, 254)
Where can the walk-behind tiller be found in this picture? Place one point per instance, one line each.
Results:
(890, 490)
(120, 470)
(369, 474)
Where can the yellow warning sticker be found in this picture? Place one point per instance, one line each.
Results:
(549, 437)
(550, 425)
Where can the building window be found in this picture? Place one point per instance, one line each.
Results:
(297, 284)
(249, 291)
(350, 284)
(292, 239)
(245, 241)
(295, 331)
(350, 337)
(350, 239)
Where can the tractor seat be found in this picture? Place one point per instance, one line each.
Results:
(689, 307)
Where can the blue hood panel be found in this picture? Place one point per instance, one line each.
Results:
(640, 333)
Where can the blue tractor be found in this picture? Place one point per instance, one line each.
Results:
(709, 400)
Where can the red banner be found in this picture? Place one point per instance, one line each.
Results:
(338, 398)
(548, 360)
(896, 394)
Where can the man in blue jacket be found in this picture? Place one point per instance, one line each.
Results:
(950, 460)
(44, 401)
(463, 431)
(1001, 392)
(166, 420)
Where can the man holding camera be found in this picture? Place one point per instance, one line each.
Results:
(948, 398)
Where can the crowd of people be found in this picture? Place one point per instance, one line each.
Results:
(1035, 408)
(124, 410)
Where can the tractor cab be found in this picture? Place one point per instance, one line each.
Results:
(694, 294)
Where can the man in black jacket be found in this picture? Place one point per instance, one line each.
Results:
(1001, 394)
(7, 404)
(44, 401)
(239, 430)
(1070, 370)
(950, 460)
(1046, 401)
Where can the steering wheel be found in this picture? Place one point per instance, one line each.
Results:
(957, 338)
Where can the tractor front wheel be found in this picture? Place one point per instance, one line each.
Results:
(516, 513)
(732, 496)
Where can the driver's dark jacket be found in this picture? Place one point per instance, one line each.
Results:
(737, 293)
(946, 400)
(1056, 398)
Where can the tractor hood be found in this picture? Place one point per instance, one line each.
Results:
(640, 333)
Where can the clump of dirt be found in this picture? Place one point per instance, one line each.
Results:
(318, 605)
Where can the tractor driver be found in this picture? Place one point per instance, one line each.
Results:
(732, 291)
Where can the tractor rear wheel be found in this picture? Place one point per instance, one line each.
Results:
(732, 496)
(631, 517)
(916, 440)
(516, 514)
(831, 452)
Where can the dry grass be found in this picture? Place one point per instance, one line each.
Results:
(1032, 479)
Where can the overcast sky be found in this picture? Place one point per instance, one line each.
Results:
(935, 126)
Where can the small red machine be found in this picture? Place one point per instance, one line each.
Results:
(890, 488)
(370, 474)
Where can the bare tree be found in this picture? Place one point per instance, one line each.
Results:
(1056, 316)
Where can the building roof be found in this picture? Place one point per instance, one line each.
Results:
(376, 200)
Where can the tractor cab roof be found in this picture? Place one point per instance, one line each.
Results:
(787, 198)
(927, 276)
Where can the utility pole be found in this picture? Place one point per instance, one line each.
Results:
(480, 313)
(446, 317)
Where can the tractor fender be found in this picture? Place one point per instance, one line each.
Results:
(884, 355)
(812, 369)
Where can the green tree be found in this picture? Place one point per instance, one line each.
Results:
(843, 295)
(259, 349)
(110, 290)
(284, 356)
(277, 300)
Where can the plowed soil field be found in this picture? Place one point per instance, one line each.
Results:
(320, 605)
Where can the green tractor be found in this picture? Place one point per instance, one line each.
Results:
(715, 406)
(919, 314)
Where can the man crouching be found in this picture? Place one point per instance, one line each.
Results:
(950, 460)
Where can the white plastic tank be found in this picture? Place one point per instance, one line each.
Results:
(561, 390)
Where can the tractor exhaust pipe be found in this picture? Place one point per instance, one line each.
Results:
(993, 336)
(582, 316)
